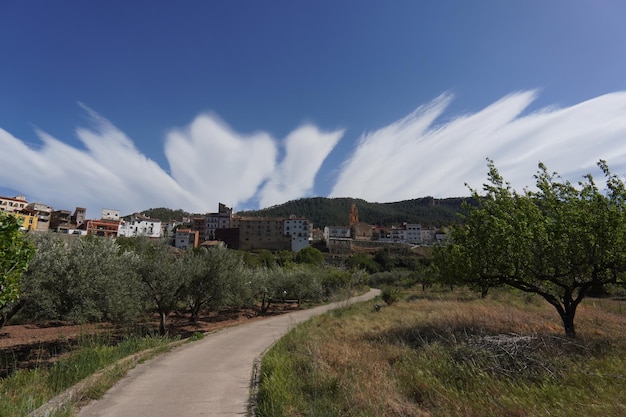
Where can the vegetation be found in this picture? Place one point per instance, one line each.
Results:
(15, 252)
(560, 242)
(91, 280)
(83, 280)
(26, 390)
(309, 255)
(335, 211)
(166, 214)
(448, 353)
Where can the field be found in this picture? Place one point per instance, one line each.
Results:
(450, 354)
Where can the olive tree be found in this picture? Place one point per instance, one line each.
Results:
(558, 241)
(213, 278)
(83, 279)
(162, 273)
(15, 252)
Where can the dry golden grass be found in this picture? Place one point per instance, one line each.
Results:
(452, 354)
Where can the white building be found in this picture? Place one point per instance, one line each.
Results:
(108, 214)
(335, 232)
(300, 230)
(140, 225)
(398, 235)
(186, 239)
(413, 233)
(12, 204)
(428, 235)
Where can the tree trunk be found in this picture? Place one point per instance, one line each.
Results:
(483, 292)
(265, 303)
(5, 317)
(568, 322)
(162, 323)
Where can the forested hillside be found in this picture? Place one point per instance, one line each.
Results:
(166, 214)
(323, 211)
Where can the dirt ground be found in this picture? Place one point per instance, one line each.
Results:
(27, 345)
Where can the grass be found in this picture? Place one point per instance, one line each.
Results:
(444, 353)
(25, 391)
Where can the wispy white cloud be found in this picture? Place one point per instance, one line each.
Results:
(414, 157)
(306, 149)
(209, 163)
(215, 163)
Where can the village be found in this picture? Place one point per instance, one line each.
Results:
(246, 233)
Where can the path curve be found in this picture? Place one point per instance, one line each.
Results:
(210, 377)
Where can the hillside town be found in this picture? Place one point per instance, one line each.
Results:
(246, 233)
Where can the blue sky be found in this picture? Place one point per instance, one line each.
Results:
(138, 104)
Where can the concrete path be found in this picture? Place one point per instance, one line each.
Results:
(210, 377)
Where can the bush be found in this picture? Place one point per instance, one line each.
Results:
(390, 295)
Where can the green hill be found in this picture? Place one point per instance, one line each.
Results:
(322, 211)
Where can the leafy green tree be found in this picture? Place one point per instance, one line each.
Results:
(336, 279)
(310, 256)
(383, 258)
(559, 241)
(284, 258)
(15, 253)
(362, 261)
(211, 278)
(162, 273)
(266, 258)
(299, 283)
(84, 280)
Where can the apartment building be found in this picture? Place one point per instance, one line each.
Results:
(263, 233)
(79, 216)
(186, 239)
(12, 204)
(300, 230)
(336, 232)
(407, 233)
(107, 226)
(28, 217)
(207, 225)
(44, 214)
(102, 227)
(61, 221)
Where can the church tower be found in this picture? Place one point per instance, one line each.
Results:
(354, 215)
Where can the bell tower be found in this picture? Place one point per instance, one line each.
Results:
(354, 215)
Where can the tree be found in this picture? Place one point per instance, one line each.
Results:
(310, 255)
(362, 261)
(161, 272)
(559, 241)
(383, 258)
(15, 253)
(209, 276)
(85, 279)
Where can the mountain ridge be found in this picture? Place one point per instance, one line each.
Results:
(325, 211)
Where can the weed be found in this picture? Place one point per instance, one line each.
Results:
(448, 354)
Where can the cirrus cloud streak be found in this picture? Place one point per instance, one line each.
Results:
(415, 157)
(418, 155)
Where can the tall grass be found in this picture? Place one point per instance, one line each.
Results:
(24, 391)
(449, 354)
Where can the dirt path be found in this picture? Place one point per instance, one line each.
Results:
(210, 377)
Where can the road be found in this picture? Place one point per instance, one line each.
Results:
(210, 377)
